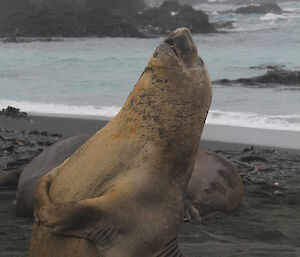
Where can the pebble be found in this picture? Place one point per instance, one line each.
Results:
(17, 148)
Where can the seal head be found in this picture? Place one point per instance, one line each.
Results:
(179, 46)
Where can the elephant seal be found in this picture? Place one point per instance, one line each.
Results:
(9, 179)
(39, 166)
(121, 193)
(215, 185)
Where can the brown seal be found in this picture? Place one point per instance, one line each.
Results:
(121, 193)
(215, 183)
(41, 165)
(215, 186)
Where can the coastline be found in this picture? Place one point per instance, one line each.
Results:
(263, 225)
(216, 137)
(261, 138)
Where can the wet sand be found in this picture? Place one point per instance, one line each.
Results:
(267, 223)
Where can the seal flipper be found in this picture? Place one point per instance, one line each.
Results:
(83, 219)
(191, 214)
(171, 249)
(41, 193)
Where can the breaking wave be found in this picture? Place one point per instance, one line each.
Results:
(289, 122)
(255, 120)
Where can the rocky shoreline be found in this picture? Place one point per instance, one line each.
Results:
(105, 22)
(264, 225)
(19, 147)
(274, 77)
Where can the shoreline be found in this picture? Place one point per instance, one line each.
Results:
(263, 225)
(214, 136)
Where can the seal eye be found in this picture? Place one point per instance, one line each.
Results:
(170, 42)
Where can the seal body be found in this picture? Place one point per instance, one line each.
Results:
(121, 193)
(215, 185)
(39, 166)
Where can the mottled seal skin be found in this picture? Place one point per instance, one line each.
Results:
(39, 166)
(215, 185)
(121, 193)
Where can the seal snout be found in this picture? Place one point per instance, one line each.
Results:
(182, 44)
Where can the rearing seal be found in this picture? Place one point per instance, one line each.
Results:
(121, 193)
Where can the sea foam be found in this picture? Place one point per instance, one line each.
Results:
(61, 109)
(290, 122)
(273, 17)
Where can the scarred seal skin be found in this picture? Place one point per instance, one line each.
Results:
(215, 186)
(121, 193)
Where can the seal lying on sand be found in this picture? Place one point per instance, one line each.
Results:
(121, 193)
(215, 184)
(9, 178)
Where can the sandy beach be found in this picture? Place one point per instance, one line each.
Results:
(267, 223)
(213, 136)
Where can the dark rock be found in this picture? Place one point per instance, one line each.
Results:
(224, 24)
(48, 143)
(248, 149)
(268, 67)
(269, 151)
(13, 113)
(93, 23)
(34, 132)
(56, 135)
(171, 15)
(18, 162)
(17, 148)
(8, 7)
(15, 39)
(108, 18)
(272, 77)
(44, 133)
(116, 6)
(5, 138)
(32, 143)
(253, 158)
(8, 149)
(260, 9)
(170, 6)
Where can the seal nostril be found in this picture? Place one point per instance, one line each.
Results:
(200, 61)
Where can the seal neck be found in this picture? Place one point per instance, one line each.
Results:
(169, 106)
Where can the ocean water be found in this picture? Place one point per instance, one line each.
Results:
(93, 76)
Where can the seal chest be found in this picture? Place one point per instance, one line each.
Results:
(121, 193)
